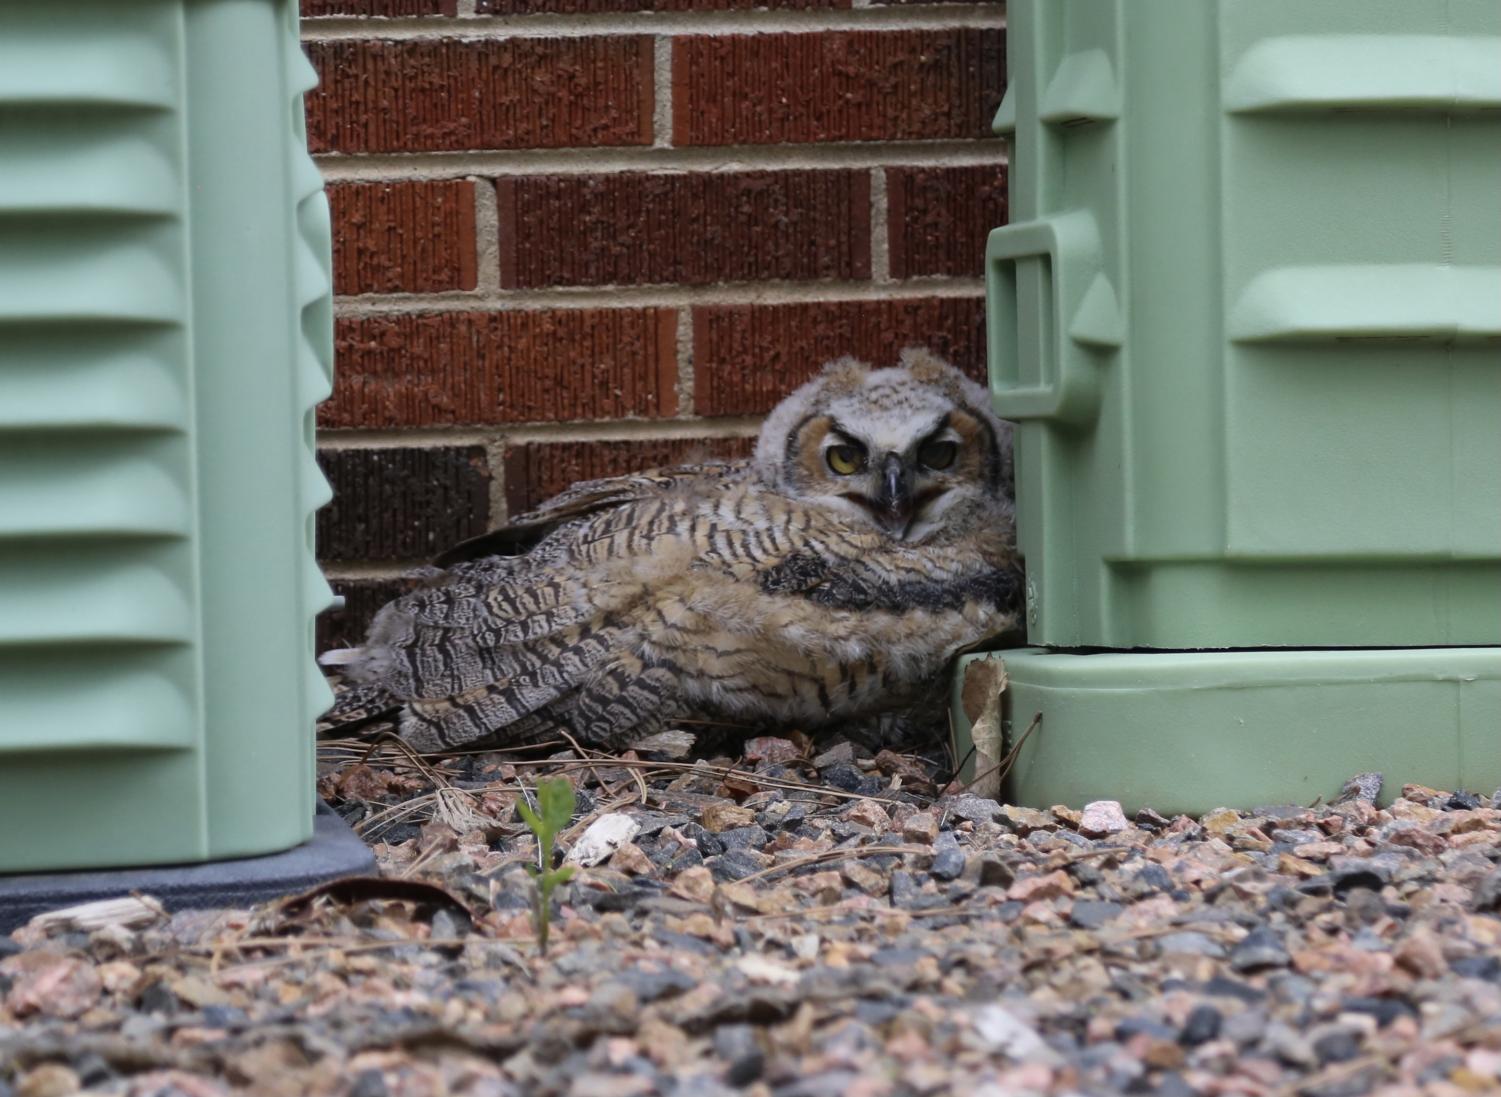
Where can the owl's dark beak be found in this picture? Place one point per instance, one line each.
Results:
(894, 503)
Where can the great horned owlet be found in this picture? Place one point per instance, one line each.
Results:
(826, 579)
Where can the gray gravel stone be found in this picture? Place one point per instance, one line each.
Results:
(1093, 913)
(966, 806)
(1260, 949)
(947, 865)
(1190, 943)
(743, 838)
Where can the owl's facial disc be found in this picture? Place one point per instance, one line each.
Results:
(894, 482)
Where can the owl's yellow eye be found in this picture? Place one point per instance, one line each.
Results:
(845, 460)
(938, 455)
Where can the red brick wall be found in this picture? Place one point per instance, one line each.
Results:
(577, 237)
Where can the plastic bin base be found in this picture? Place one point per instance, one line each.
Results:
(1189, 732)
(333, 851)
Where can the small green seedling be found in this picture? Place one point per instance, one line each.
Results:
(555, 803)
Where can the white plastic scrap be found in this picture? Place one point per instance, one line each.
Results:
(604, 836)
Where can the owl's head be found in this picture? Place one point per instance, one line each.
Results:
(908, 450)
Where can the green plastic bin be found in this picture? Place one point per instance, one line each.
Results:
(1248, 320)
(165, 332)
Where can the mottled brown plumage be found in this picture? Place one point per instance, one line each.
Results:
(828, 578)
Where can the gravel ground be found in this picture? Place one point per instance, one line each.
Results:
(799, 921)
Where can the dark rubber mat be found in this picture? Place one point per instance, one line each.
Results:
(333, 851)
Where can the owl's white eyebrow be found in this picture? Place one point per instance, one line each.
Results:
(941, 431)
(845, 437)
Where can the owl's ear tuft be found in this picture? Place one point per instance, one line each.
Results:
(843, 375)
(926, 367)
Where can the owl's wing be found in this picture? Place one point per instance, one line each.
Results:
(586, 498)
(510, 648)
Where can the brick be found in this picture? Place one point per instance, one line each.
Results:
(536, 471)
(451, 368)
(684, 228)
(747, 357)
(939, 217)
(836, 86)
(582, 7)
(456, 94)
(387, 9)
(346, 628)
(402, 503)
(406, 237)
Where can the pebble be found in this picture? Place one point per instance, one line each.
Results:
(948, 864)
(968, 807)
(1289, 1045)
(991, 871)
(1149, 879)
(769, 748)
(870, 814)
(1244, 1028)
(1189, 943)
(1023, 821)
(1462, 801)
(747, 837)
(1093, 913)
(1148, 819)
(50, 984)
(921, 826)
(1358, 872)
(738, 1046)
(718, 818)
(1203, 1024)
(1260, 949)
(49, 1080)
(1384, 1010)
(782, 815)
(865, 878)
(630, 858)
(1030, 889)
(840, 754)
(1363, 786)
(737, 864)
(1132, 1027)
(1101, 818)
(1488, 893)
(1220, 821)
(851, 779)
(1336, 1047)
(906, 892)
(695, 884)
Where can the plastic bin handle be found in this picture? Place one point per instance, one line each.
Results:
(1048, 302)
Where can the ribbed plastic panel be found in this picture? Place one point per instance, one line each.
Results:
(96, 452)
(165, 332)
(1246, 316)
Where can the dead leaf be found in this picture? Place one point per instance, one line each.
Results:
(360, 889)
(985, 683)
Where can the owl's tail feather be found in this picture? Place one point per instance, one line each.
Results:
(466, 686)
(355, 708)
(607, 698)
(628, 700)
